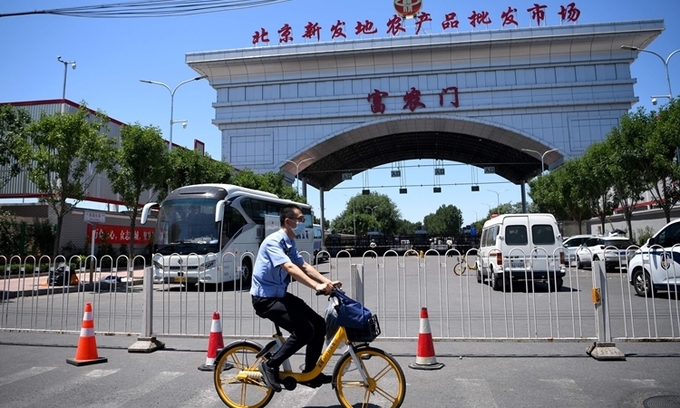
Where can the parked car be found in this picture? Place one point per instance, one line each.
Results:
(571, 244)
(656, 265)
(520, 247)
(615, 250)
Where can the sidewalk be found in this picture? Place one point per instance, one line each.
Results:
(32, 285)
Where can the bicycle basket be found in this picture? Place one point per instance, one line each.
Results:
(366, 334)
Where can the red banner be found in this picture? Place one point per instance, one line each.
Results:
(118, 234)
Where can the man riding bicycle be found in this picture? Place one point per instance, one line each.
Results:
(278, 261)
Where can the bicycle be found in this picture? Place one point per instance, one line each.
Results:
(462, 266)
(363, 373)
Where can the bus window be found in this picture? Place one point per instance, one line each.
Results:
(232, 222)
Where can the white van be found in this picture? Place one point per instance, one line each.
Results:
(521, 247)
(656, 265)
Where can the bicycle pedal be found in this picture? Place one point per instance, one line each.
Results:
(289, 383)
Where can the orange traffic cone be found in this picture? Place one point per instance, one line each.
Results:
(215, 342)
(425, 359)
(87, 344)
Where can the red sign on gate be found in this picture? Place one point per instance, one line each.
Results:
(408, 8)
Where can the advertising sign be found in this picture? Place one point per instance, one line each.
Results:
(119, 234)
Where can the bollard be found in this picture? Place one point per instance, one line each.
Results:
(147, 343)
(603, 349)
(357, 283)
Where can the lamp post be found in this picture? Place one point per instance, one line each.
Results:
(372, 209)
(63, 90)
(665, 63)
(498, 196)
(297, 172)
(487, 206)
(541, 155)
(172, 100)
(476, 216)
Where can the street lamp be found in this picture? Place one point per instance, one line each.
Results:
(541, 155)
(63, 90)
(665, 63)
(498, 196)
(297, 171)
(372, 209)
(172, 100)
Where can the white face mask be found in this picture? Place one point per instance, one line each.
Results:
(299, 228)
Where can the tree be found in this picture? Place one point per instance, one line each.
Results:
(59, 151)
(13, 123)
(662, 165)
(138, 165)
(369, 212)
(446, 221)
(626, 164)
(561, 193)
(270, 182)
(192, 167)
(598, 181)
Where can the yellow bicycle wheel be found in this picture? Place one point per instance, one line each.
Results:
(385, 385)
(235, 392)
(459, 269)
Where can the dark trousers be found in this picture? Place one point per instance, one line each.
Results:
(304, 325)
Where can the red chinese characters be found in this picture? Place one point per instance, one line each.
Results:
(365, 28)
(422, 18)
(479, 18)
(285, 34)
(412, 99)
(450, 21)
(312, 30)
(394, 25)
(444, 91)
(569, 13)
(337, 30)
(118, 234)
(508, 17)
(261, 36)
(537, 12)
(375, 98)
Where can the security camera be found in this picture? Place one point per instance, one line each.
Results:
(654, 101)
(73, 65)
(184, 125)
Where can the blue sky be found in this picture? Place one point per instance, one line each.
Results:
(112, 55)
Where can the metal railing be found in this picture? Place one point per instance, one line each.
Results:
(591, 306)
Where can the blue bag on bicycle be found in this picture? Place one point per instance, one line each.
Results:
(352, 314)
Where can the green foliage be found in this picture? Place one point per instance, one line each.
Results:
(271, 182)
(21, 238)
(191, 167)
(13, 123)
(139, 164)
(446, 221)
(643, 234)
(661, 146)
(59, 152)
(368, 212)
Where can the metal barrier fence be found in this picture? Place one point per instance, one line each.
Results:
(591, 306)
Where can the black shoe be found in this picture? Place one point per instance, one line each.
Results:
(270, 376)
(318, 381)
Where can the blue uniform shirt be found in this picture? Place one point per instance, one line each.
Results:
(269, 278)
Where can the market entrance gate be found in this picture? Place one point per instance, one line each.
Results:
(327, 111)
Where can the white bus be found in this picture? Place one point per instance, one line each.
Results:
(210, 233)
